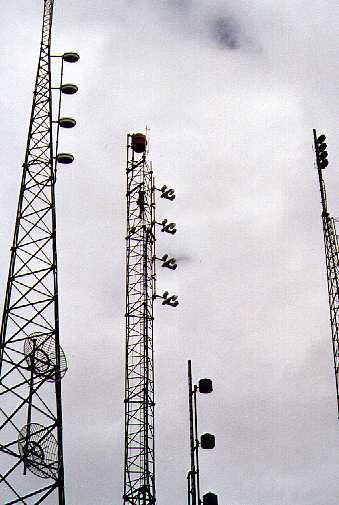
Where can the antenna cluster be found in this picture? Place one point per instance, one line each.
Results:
(139, 473)
(331, 253)
(32, 362)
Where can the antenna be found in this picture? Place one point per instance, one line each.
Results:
(139, 471)
(32, 362)
(331, 252)
(207, 441)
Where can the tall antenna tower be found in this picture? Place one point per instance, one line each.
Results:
(32, 362)
(139, 475)
(331, 252)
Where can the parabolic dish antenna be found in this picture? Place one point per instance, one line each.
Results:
(39, 349)
(40, 452)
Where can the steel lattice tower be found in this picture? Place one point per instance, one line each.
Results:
(139, 477)
(32, 362)
(331, 252)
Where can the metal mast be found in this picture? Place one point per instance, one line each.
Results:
(331, 252)
(139, 476)
(32, 362)
(207, 441)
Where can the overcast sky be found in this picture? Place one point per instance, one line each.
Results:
(230, 91)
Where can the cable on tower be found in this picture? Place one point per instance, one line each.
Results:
(32, 362)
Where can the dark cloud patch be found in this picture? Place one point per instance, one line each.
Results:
(226, 31)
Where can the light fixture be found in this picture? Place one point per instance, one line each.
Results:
(65, 158)
(69, 89)
(321, 152)
(71, 57)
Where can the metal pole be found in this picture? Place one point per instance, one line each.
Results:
(196, 442)
(146, 371)
(58, 393)
(29, 410)
(59, 115)
(189, 488)
(193, 490)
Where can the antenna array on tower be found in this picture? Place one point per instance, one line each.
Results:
(139, 475)
(32, 362)
(331, 252)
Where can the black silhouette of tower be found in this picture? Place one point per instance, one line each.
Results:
(331, 251)
(32, 362)
(139, 475)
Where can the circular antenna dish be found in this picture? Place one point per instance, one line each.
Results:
(139, 142)
(39, 349)
(69, 89)
(71, 57)
(67, 122)
(39, 449)
(65, 158)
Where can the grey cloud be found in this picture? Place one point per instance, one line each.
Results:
(194, 18)
(183, 258)
(226, 31)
